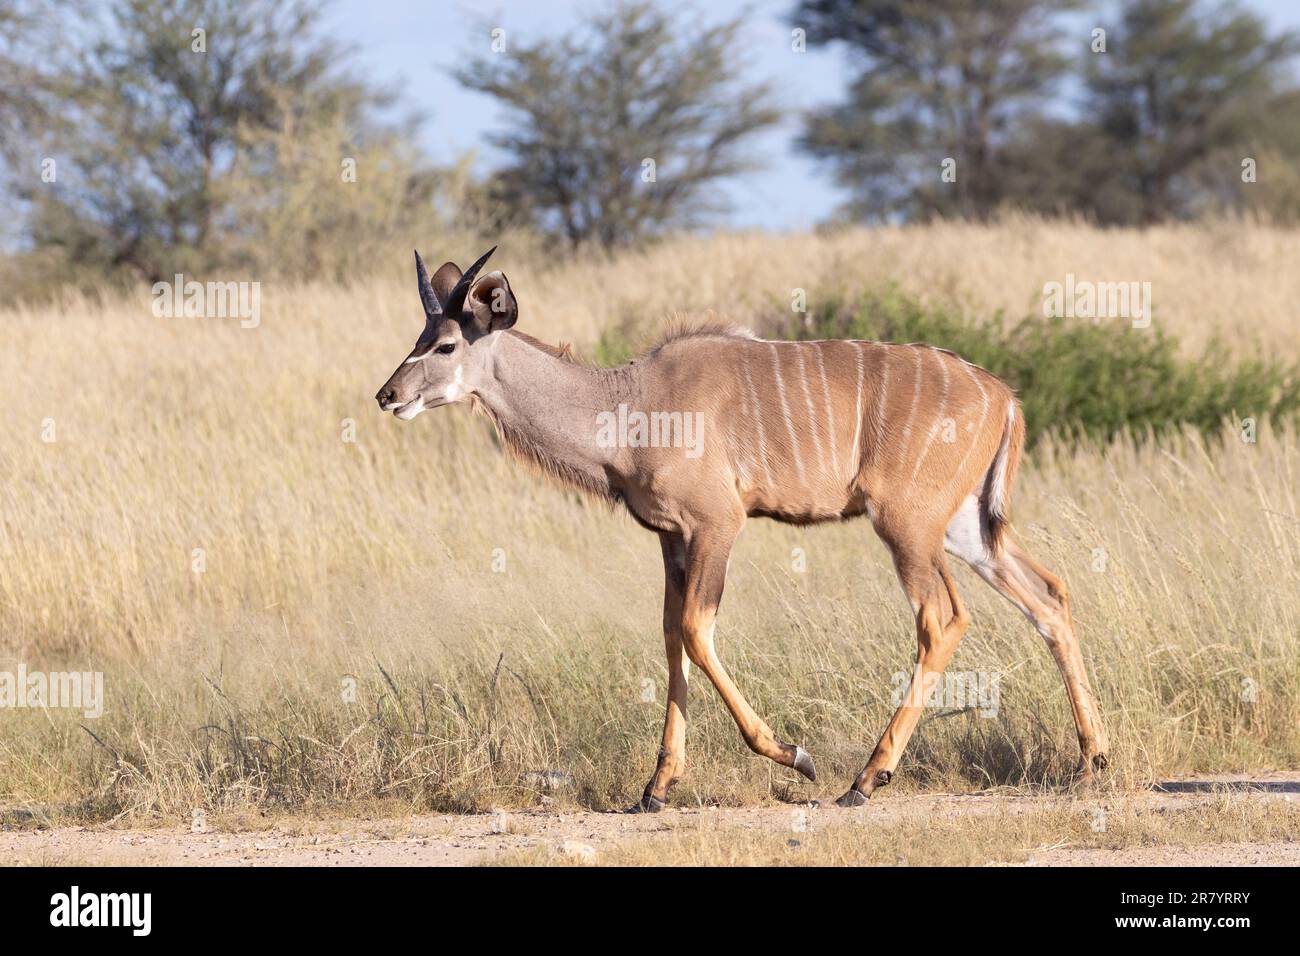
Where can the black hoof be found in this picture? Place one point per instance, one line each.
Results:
(804, 764)
(648, 804)
(853, 798)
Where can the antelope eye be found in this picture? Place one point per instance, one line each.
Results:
(446, 349)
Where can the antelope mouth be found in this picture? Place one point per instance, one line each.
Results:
(410, 409)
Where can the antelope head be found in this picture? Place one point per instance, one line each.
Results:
(453, 355)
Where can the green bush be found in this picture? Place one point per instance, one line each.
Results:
(1076, 378)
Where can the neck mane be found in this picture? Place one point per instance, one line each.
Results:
(543, 404)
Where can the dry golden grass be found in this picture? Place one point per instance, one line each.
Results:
(328, 560)
(1205, 278)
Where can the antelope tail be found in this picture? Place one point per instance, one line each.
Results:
(1001, 475)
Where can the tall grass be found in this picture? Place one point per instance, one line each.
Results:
(323, 562)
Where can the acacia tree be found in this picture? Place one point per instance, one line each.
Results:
(937, 79)
(1185, 85)
(173, 118)
(1183, 90)
(621, 132)
(25, 86)
(31, 55)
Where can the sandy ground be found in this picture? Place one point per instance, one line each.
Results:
(459, 840)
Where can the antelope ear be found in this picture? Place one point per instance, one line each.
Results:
(444, 280)
(493, 303)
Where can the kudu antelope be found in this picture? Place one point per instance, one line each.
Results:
(921, 442)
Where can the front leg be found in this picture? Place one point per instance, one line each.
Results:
(672, 752)
(706, 575)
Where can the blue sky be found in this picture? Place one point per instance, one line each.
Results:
(411, 46)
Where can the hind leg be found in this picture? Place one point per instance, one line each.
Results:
(941, 620)
(1043, 598)
(1030, 585)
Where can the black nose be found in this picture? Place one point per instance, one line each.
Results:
(384, 396)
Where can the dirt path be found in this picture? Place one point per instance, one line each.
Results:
(441, 840)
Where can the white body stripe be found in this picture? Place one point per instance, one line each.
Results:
(938, 418)
(855, 450)
(812, 414)
(979, 428)
(758, 418)
(830, 408)
(785, 408)
(916, 400)
(880, 406)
